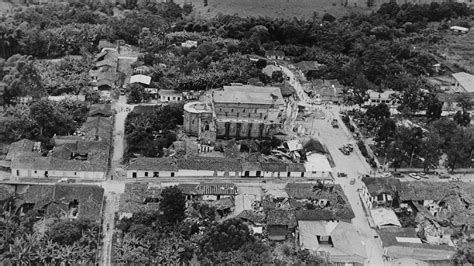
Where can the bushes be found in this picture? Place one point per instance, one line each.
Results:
(362, 148)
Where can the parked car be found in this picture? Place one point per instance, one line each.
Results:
(397, 174)
(334, 123)
(352, 182)
(423, 175)
(340, 174)
(415, 176)
(386, 174)
(454, 179)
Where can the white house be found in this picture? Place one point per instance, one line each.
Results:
(459, 29)
(170, 96)
(143, 79)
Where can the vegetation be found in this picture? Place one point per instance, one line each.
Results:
(148, 133)
(63, 242)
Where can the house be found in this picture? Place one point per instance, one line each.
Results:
(339, 239)
(458, 29)
(280, 223)
(103, 110)
(255, 58)
(251, 169)
(191, 95)
(256, 220)
(153, 92)
(105, 44)
(325, 91)
(404, 243)
(215, 191)
(463, 82)
(330, 203)
(66, 201)
(139, 78)
(380, 191)
(143, 70)
(24, 147)
(209, 166)
(269, 69)
(139, 197)
(306, 67)
(189, 44)
(103, 74)
(170, 96)
(275, 55)
(317, 166)
(384, 217)
(450, 102)
(387, 97)
(152, 167)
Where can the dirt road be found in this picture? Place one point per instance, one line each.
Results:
(111, 206)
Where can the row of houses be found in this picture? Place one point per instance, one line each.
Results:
(194, 166)
(84, 155)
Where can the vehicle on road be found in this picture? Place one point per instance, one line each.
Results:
(397, 174)
(341, 174)
(352, 182)
(334, 123)
(66, 180)
(423, 175)
(415, 176)
(454, 179)
(386, 174)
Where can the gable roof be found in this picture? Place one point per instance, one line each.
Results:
(281, 217)
(378, 185)
(216, 189)
(274, 53)
(153, 164)
(97, 128)
(19, 147)
(424, 190)
(308, 65)
(252, 216)
(100, 110)
(139, 78)
(466, 80)
(209, 164)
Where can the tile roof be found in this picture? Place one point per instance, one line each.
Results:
(274, 167)
(97, 128)
(169, 93)
(216, 189)
(308, 65)
(153, 164)
(252, 216)
(133, 200)
(251, 166)
(274, 53)
(378, 185)
(24, 145)
(281, 217)
(424, 190)
(89, 197)
(188, 189)
(249, 94)
(100, 110)
(388, 236)
(210, 164)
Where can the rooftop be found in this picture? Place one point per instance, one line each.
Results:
(209, 163)
(156, 164)
(19, 147)
(169, 93)
(281, 217)
(216, 189)
(100, 110)
(424, 190)
(377, 185)
(197, 107)
(308, 65)
(140, 79)
(274, 53)
(249, 94)
(466, 80)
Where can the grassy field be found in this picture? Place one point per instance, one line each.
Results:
(275, 8)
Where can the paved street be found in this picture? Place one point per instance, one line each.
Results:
(353, 165)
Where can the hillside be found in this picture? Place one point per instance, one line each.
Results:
(274, 8)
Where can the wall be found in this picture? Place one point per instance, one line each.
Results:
(141, 174)
(58, 174)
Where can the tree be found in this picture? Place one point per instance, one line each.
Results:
(434, 108)
(328, 17)
(173, 204)
(65, 232)
(230, 235)
(137, 94)
(277, 76)
(261, 63)
(462, 118)
(43, 112)
(459, 149)
(430, 150)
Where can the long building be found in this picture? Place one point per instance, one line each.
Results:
(237, 111)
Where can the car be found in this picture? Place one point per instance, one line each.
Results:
(444, 176)
(454, 179)
(352, 182)
(334, 123)
(386, 174)
(413, 175)
(341, 174)
(423, 175)
(397, 174)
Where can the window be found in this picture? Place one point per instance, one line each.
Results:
(247, 173)
(146, 174)
(172, 174)
(380, 197)
(168, 98)
(302, 174)
(288, 175)
(156, 174)
(134, 175)
(75, 173)
(17, 172)
(259, 173)
(36, 172)
(46, 173)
